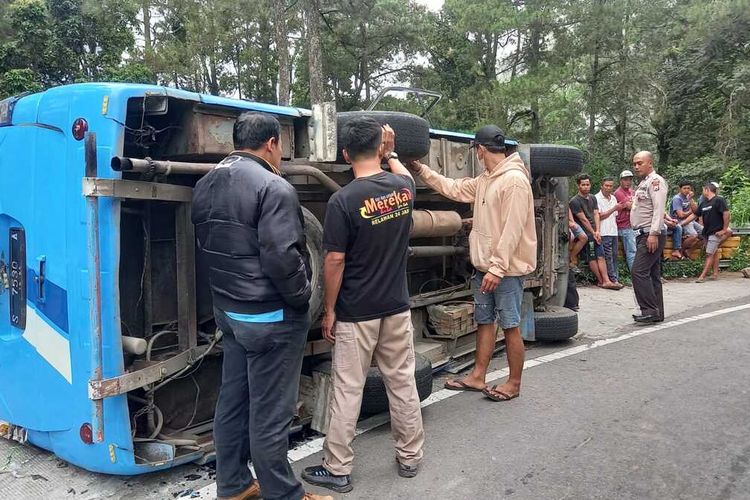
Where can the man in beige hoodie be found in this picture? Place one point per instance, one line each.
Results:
(503, 250)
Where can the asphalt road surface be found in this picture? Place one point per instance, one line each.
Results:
(619, 412)
(661, 415)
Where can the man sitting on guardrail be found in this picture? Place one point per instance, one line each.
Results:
(714, 213)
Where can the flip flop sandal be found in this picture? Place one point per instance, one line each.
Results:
(459, 385)
(498, 396)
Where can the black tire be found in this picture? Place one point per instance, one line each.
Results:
(412, 132)
(555, 160)
(375, 397)
(556, 323)
(314, 237)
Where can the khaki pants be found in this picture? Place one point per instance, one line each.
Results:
(390, 341)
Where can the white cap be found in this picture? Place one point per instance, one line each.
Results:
(626, 173)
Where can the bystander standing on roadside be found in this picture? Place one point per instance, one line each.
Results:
(366, 302)
(249, 224)
(714, 213)
(624, 195)
(586, 212)
(578, 240)
(647, 220)
(608, 210)
(503, 248)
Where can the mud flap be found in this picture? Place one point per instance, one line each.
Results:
(528, 330)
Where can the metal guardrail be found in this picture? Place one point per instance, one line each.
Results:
(741, 231)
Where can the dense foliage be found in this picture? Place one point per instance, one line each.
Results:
(609, 76)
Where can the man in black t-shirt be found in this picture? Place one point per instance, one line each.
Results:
(586, 213)
(367, 313)
(714, 212)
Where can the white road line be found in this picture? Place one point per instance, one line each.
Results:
(316, 445)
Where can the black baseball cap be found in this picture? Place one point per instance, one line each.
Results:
(489, 136)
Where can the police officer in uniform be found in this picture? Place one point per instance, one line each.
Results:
(647, 220)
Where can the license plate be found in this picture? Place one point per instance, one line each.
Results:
(17, 273)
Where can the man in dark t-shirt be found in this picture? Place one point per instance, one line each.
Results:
(367, 313)
(714, 213)
(586, 213)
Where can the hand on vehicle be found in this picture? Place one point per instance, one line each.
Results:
(389, 141)
(489, 283)
(414, 166)
(328, 325)
(652, 243)
(597, 237)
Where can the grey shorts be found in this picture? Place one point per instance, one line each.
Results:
(713, 244)
(692, 229)
(502, 306)
(576, 231)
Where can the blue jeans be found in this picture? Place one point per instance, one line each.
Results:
(628, 245)
(504, 304)
(676, 237)
(610, 256)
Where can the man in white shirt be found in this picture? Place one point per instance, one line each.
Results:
(608, 208)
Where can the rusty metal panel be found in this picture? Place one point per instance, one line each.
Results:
(186, 304)
(208, 132)
(155, 372)
(136, 190)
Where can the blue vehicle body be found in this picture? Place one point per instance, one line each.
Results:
(46, 364)
(48, 355)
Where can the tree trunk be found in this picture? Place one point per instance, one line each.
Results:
(593, 99)
(148, 48)
(314, 56)
(517, 57)
(282, 50)
(535, 49)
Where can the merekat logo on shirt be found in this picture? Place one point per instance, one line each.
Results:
(386, 207)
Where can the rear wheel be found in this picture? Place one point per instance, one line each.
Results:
(314, 240)
(412, 132)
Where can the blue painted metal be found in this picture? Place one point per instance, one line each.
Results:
(42, 168)
(54, 306)
(437, 133)
(528, 326)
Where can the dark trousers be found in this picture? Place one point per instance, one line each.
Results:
(610, 256)
(259, 390)
(647, 276)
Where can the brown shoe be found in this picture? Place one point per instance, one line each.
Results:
(252, 491)
(313, 496)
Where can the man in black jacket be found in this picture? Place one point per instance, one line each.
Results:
(249, 227)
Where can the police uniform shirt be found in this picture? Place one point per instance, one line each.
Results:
(648, 204)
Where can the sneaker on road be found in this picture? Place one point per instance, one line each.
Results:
(407, 471)
(320, 476)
